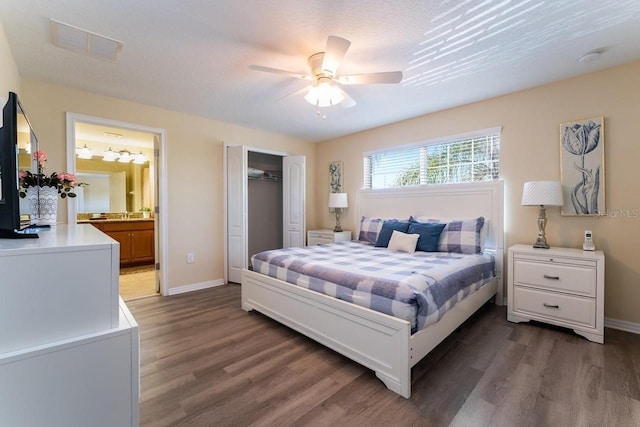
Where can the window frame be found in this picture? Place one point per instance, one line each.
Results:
(422, 157)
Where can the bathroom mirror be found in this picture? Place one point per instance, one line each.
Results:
(117, 166)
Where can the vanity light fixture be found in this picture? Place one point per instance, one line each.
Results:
(85, 153)
(125, 157)
(139, 159)
(110, 156)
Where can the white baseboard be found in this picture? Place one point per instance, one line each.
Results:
(622, 325)
(195, 287)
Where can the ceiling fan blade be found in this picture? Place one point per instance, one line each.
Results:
(299, 91)
(281, 72)
(371, 78)
(334, 53)
(348, 101)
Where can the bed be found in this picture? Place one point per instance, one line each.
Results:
(379, 341)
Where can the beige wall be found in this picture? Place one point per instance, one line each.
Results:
(530, 151)
(9, 77)
(194, 167)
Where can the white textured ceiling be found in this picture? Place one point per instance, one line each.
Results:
(195, 56)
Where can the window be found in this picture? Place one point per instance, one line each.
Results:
(463, 158)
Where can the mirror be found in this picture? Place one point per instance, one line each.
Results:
(107, 161)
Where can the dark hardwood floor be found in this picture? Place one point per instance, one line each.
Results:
(205, 362)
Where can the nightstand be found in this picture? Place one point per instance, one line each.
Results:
(322, 237)
(560, 286)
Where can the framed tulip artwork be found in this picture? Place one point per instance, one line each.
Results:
(335, 177)
(582, 167)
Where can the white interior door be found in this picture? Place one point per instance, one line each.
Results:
(293, 199)
(236, 212)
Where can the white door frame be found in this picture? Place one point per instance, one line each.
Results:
(224, 197)
(161, 169)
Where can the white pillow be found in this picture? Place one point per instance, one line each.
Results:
(403, 242)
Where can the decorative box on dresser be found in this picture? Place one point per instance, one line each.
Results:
(69, 347)
(322, 237)
(560, 286)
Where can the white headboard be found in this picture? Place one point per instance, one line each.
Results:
(449, 201)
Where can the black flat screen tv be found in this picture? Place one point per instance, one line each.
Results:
(17, 142)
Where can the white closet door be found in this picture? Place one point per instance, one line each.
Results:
(236, 212)
(293, 199)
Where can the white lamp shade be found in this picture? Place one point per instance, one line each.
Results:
(548, 193)
(338, 200)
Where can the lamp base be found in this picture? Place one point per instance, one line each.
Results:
(541, 241)
(540, 245)
(338, 227)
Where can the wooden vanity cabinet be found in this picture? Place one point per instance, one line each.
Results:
(136, 240)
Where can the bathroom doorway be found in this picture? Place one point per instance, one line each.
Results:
(122, 164)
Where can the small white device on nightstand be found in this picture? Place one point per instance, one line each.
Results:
(588, 241)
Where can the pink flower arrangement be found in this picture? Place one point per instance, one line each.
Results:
(64, 182)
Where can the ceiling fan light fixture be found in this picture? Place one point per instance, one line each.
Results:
(324, 94)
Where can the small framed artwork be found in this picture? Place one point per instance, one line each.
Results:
(582, 167)
(335, 177)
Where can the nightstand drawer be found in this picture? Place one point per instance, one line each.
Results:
(323, 237)
(553, 276)
(569, 308)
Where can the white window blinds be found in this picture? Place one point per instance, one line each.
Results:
(470, 157)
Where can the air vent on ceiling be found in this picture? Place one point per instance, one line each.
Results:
(84, 42)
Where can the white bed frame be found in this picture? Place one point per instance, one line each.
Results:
(378, 341)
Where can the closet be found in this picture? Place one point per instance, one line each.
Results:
(264, 204)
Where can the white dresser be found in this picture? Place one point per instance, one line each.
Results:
(560, 286)
(322, 237)
(69, 347)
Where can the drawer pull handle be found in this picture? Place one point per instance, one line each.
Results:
(546, 276)
(550, 305)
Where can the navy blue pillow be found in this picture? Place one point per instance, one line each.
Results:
(429, 235)
(387, 230)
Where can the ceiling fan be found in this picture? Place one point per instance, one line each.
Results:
(325, 90)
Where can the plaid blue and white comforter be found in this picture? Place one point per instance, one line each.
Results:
(418, 287)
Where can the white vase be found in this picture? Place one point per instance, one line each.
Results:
(43, 204)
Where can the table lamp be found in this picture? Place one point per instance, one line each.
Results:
(338, 201)
(542, 193)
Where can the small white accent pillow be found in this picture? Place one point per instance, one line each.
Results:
(403, 242)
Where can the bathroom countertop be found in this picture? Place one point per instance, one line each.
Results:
(89, 221)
